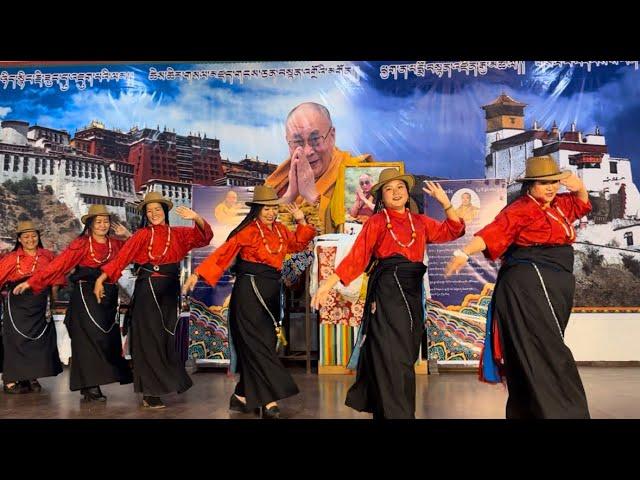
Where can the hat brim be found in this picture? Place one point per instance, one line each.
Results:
(168, 203)
(264, 202)
(409, 179)
(556, 176)
(37, 230)
(84, 218)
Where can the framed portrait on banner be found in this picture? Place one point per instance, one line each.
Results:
(354, 183)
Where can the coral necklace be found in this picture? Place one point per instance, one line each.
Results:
(93, 254)
(264, 240)
(33, 268)
(166, 246)
(393, 235)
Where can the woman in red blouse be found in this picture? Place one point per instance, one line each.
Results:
(393, 320)
(533, 295)
(29, 340)
(260, 244)
(156, 249)
(94, 328)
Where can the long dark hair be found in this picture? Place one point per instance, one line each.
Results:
(18, 244)
(526, 185)
(144, 222)
(379, 205)
(251, 216)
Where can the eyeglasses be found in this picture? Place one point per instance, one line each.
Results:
(314, 141)
(365, 182)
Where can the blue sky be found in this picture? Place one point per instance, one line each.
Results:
(434, 124)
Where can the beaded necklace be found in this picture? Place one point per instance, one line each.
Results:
(92, 253)
(264, 240)
(33, 268)
(568, 228)
(393, 235)
(166, 246)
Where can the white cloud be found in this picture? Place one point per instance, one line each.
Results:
(248, 119)
(4, 111)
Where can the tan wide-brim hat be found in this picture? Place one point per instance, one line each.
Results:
(94, 211)
(154, 197)
(389, 174)
(543, 168)
(26, 226)
(263, 195)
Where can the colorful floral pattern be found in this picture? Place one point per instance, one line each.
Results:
(337, 309)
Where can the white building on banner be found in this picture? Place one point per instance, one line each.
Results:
(608, 179)
(77, 178)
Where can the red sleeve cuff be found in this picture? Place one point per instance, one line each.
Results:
(36, 286)
(111, 273)
(344, 276)
(307, 232)
(211, 274)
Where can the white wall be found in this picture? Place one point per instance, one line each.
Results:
(604, 336)
(633, 195)
(499, 135)
(510, 163)
(622, 241)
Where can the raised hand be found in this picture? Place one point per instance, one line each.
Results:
(434, 190)
(120, 230)
(292, 189)
(306, 180)
(573, 183)
(294, 210)
(186, 213)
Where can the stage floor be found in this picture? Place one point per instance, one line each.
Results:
(613, 393)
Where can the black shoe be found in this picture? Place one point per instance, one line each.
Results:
(270, 413)
(26, 385)
(16, 388)
(34, 385)
(238, 405)
(93, 393)
(100, 393)
(152, 402)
